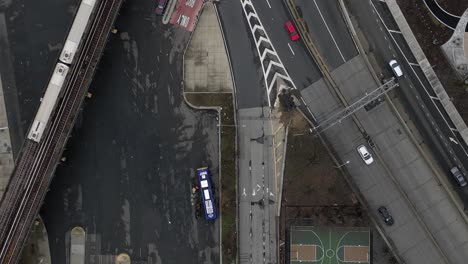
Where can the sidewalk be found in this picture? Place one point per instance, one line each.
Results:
(208, 85)
(6, 153)
(206, 65)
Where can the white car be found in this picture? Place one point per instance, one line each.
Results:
(396, 68)
(365, 154)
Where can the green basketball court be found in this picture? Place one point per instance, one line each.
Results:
(321, 245)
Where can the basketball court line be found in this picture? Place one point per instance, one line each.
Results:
(336, 244)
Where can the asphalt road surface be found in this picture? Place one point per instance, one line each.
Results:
(430, 116)
(422, 221)
(136, 144)
(294, 55)
(250, 87)
(328, 30)
(257, 208)
(395, 157)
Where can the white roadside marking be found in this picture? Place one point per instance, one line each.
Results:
(329, 32)
(268, 3)
(394, 31)
(262, 40)
(292, 51)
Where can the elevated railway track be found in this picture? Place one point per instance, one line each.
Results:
(37, 161)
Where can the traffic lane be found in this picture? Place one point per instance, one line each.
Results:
(405, 163)
(428, 95)
(414, 177)
(443, 151)
(322, 36)
(250, 85)
(385, 50)
(328, 30)
(437, 114)
(131, 158)
(419, 80)
(435, 120)
(334, 18)
(254, 160)
(373, 181)
(375, 184)
(293, 55)
(447, 152)
(393, 30)
(425, 83)
(431, 101)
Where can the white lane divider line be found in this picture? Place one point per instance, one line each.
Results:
(268, 3)
(394, 31)
(417, 76)
(292, 51)
(329, 31)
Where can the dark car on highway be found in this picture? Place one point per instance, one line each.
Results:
(458, 176)
(388, 219)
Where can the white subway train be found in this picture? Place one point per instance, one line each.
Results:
(52, 94)
(77, 30)
(48, 102)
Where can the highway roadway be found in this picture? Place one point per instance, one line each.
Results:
(329, 31)
(257, 177)
(244, 59)
(386, 43)
(417, 196)
(294, 55)
(421, 208)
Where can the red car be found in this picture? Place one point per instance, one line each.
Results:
(291, 30)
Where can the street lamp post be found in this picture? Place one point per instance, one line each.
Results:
(341, 165)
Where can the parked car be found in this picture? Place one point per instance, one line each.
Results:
(365, 154)
(396, 68)
(388, 219)
(291, 30)
(456, 173)
(161, 7)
